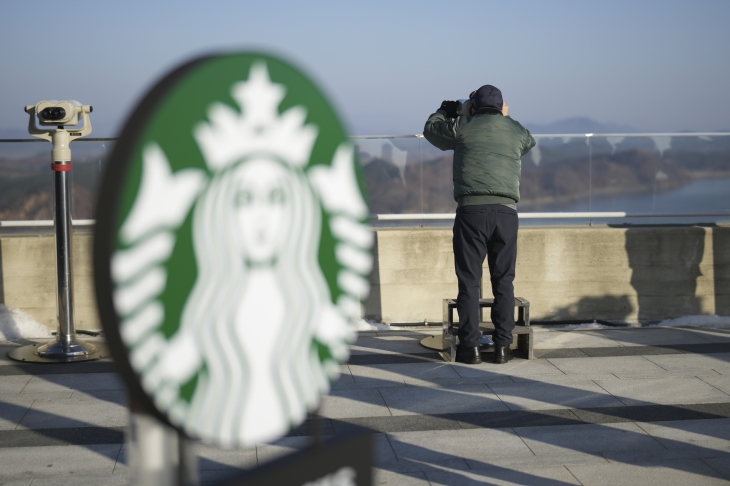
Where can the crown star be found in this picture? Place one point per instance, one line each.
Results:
(257, 128)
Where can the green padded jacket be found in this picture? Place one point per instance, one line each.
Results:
(487, 149)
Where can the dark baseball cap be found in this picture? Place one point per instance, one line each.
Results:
(487, 96)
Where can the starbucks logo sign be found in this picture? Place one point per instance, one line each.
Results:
(231, 251)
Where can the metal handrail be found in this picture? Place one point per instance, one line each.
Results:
(43, 222)
(33, 140)
(633, 135)
(440, 217)
(575, 215)
(420, 135)
(574, 135)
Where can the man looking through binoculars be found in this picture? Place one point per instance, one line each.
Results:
(487, 146)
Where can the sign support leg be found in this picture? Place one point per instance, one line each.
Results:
(157, 454)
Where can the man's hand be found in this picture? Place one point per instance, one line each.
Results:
(505, 108)
(450, 108)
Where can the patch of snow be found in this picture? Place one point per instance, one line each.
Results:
(16, 324)
(696, 321)
(588, 325)
(685, 321)
(371, 325)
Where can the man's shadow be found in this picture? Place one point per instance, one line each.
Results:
(664, 270)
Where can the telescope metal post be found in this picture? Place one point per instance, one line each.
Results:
(66, 344)
(64, 259)
(66, 347)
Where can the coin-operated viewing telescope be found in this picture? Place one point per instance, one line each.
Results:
(60, 114)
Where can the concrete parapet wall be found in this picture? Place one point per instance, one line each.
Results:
(28, 278)
(613, 273)
(635, 273)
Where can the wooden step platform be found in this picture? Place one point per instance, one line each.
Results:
(446, 343)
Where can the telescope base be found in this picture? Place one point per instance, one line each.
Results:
(29, 354)
(437, 343)
(433, 342)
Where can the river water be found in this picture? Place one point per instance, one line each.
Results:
(699, 196)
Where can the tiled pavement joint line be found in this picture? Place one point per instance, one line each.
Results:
(571, 473)
(604, 389)
(657, 364)
(26, 385)
(638, 424)
(26, 412)
(116, 461)
(390, 444)
(497, 395)
(380, 392)
(713, 386)
(719, 472)
(523, 441)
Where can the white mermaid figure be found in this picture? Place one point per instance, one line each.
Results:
(260, 302)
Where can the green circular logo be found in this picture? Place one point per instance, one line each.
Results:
(231, 252)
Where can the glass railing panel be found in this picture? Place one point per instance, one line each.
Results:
(661, 175)
(26, 181)
(393, 174)
(89, 159)
(623, 168)
(706, 162)
(654, 174)
(555, 178)
(438, 186)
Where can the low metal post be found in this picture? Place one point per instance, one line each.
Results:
(157, 454)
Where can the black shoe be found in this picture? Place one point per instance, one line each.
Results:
(502, 354)
(468, 355)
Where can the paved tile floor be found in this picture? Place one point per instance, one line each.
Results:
(599, 406)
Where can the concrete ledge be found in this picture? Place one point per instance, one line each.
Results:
(623, 274)
(28, 278)
(619, 274)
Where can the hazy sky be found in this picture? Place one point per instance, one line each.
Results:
(654, 65)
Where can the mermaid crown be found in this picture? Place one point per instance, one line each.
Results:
(258, 128)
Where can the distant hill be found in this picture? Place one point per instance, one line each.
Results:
(578, 125)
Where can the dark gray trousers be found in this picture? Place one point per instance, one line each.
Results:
(486, 230)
